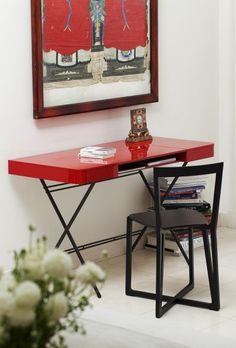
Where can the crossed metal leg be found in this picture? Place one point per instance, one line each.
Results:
(50, 189)
(67, 227)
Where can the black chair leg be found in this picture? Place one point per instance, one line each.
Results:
(216, 293)
(208, 262)
(171, 300)
(159, 272)
(190, 257)
(212, 270)
(128, 273)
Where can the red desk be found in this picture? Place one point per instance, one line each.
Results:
(67, 167)
(71, 171)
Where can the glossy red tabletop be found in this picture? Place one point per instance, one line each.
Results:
(66, 166)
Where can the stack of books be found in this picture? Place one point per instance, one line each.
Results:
(170, 245)
(97, 152)
(186, 193)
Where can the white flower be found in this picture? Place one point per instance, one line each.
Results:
(27, 295)
(57, 306)
(20, 316)
(33, 265)
(6, 302)
(7, 282)
(90, 273)
(57, 263)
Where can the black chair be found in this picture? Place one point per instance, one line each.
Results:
(162, 219)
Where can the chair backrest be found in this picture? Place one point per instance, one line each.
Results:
(175, 172)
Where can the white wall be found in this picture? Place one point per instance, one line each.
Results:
(227, 108)
(188, 108)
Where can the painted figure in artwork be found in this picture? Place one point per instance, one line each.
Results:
(125, 24)
(97, 12)
(97, 40)
(70, 11)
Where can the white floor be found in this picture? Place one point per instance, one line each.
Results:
(186, 326)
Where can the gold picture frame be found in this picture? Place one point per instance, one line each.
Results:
(139, 130)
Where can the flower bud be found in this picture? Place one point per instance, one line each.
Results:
(57, 263)
(27, 294)
(57, 306)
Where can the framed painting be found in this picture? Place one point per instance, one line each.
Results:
(93, 54)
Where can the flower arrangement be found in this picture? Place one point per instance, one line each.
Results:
(43, 296)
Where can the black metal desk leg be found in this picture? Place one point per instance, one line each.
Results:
(146, 184)
(68, 226)
(216, 293)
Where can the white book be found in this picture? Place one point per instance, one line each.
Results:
(183, 201)
(185, 179)
(171, 245)
(94, 155)
(97, 150)
(190, 184)
(92, 160)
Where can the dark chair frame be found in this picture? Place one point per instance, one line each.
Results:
(210, 249)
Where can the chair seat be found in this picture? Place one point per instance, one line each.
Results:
(172, 218)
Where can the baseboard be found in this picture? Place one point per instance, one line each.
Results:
(227, 220)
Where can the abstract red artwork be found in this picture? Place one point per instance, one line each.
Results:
(93, 54)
